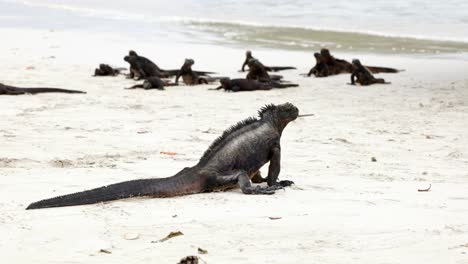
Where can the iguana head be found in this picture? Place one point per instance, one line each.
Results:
(287, 112)
(356, 62)
(132, 53)
(189, 62)
(248, 54)
(282, 114)
(318, 57)
(130, 59)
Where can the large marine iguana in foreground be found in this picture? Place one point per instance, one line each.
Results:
(248, 56)
(363, 76)
(336, 66)
(240, 85)
(12, 90)
(230, 161)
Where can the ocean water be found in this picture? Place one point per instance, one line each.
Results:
(371, 26)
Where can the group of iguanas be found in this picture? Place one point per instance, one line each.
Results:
(235, 158)
(258, 76)
(327, 65)
(157, 78)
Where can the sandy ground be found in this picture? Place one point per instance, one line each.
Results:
(344, 208)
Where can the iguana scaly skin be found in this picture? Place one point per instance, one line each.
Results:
(230, 161)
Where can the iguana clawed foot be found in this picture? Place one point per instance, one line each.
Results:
(260, 190)
(284, 183)
(268, 189)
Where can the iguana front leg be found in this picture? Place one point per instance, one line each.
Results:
(242, 179)
(274, 169)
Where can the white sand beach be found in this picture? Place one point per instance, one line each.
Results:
(343, 208)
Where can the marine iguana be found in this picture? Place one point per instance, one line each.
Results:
(338, 66)
(191, 77)
(141, 67)
(239, 85)
(230, 161)
(257, 71)
(248, 56)
(106, 70)
(12, 90)
(363, 75)
(321, 68)
(153, 83)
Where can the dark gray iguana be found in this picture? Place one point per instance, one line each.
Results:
(231, 160)
(363, 76)
(142, 68)
(241, 85)
(248, 56)
(13, 90)
(153, 83)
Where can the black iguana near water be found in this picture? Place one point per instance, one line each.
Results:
(231, 161)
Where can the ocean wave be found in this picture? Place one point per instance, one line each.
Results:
(110, 13)
(240, 23)
(242, 33)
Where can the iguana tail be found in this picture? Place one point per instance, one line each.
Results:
(164, 187)
(375, 69)
(49, 90)
(174, 72)
(280, 68)
(286, 85)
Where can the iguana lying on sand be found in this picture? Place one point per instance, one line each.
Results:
(107, 70)
(230, 161)
(248, 56)
(153, 83)
(336, 66)
(142, 67)
(12, 90)
(243, 85)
